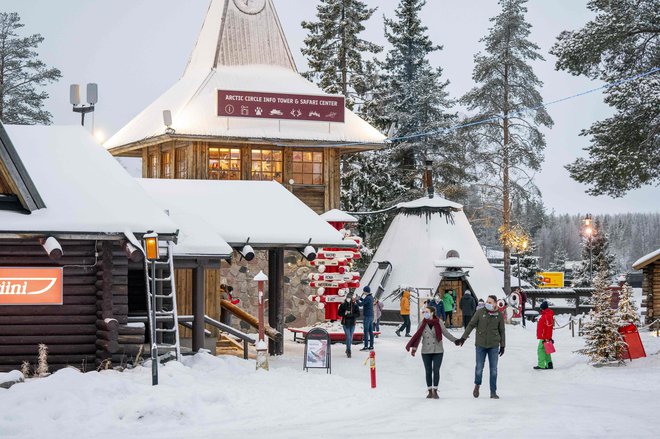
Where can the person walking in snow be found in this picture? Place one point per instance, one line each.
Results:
(430, 333)
(349, 311)
(480, 304)
(489, 341)
(468, 307)
(366, 302)
(378, 313)
(448, 302)
(405, 314)
(544, 329)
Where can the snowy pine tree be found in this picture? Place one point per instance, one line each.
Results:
(335, 51)
(628, 313)
(512, 140)
(21, 72)
(601, 332)
(413, 99)
(529, 266)
(621, 41)
(599, 259)
(559, 258)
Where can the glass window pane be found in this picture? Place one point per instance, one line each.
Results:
(267, 154)
(318, 168)
(297, 168)
(297, 156)
(297, 178)
(256, 154)
(307, 156)
(277, 155)
(318, 157)
(318, 179)
(308, 168)
(308, 179)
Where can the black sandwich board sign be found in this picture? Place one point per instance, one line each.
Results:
(317, 350)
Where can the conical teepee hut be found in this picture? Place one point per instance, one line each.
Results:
(429, 247)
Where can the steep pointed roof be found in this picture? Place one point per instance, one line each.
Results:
(241, 46)
(240, 32)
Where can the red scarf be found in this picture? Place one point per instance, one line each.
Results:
(435, 323)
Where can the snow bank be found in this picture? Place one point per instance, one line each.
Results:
(209, 397)
(8, 379)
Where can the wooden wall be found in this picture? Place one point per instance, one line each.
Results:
(320, 198)
(77, 332)
(651, 291)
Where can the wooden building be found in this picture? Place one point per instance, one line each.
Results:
(68, 211)
(241, 111)
(650, 266)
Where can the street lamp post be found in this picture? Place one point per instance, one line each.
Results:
(589, 231)
(152, 253)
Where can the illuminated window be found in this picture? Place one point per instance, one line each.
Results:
(308, 167)
(224, 164)
(266, 165)
(153, 166)
(181, 162)
(166, 165)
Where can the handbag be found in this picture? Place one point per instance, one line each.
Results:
(549, 347)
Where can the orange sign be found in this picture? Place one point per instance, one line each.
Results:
(551, 279)
(30, 286)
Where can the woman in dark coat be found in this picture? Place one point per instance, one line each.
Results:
(349, 311)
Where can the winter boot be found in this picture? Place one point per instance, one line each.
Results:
(435, 394)
(364, 349)
(475, 392)
(430, 395)
(398, 333)
(550, 365)
(540, 368)
(408, 335)
(348, 354)
(493, 395)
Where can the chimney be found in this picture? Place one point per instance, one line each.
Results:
(428, 177)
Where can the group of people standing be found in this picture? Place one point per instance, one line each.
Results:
(349, 311)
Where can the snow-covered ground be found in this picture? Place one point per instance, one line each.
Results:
(224, 397)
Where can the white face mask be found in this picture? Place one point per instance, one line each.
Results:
(427, 315)
(490, 306)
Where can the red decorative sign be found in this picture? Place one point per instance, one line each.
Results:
(323, 108)
(30, 286)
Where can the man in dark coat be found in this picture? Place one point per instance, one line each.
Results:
(349, 311)
(468, 307)
(366, 302)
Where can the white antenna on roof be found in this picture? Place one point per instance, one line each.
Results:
(167, 121)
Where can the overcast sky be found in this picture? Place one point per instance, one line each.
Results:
(136, 49)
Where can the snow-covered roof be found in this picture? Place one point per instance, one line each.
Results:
(646, 260)
(413, 242)
(83, 187)
(193, 102)
(338, 216)
(437, 202)
(198, 238)
(453, 263)
(262, 211)
(243, 52)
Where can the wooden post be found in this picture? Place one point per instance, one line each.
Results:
(198, 307)
(275, 302)
(262, 348)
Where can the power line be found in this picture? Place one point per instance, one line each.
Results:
(501, 115)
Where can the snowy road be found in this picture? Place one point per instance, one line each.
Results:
(225, 398)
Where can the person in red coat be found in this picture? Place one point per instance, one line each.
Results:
(544, 334)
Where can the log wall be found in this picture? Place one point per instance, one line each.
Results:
(87, 328)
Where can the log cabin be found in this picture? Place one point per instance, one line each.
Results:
(650, 266)
(68, 215)
(241, 111)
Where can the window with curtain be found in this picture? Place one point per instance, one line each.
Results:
(308, 167)
(153, 166)
(267, 165)
(166, 164)
(181, 162)
(224, 164)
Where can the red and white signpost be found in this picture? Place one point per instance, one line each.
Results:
(262, 346)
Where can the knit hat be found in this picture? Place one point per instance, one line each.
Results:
(544, 305)
(366, 289)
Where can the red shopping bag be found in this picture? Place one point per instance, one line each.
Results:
(549, 347)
